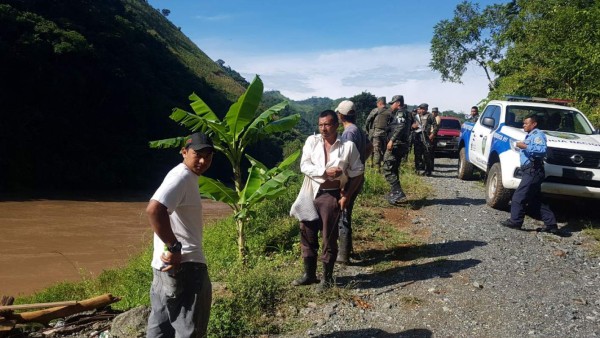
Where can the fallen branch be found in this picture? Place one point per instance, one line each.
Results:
(46, 315)
(36, 305)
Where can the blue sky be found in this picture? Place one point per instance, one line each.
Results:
(330, 48)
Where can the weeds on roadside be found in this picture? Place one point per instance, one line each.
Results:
(593, 231)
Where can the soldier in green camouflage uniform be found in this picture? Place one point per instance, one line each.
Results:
(376, 124)
(371, 117)
(397, 145)
(425, 128)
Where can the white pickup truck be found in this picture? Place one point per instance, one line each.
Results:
(572, 161)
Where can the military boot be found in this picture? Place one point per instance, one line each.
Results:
(396, 195)
(327, 282)
(310, 273)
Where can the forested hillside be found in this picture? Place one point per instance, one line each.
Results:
(84, 85)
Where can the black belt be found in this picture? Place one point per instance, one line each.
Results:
(533, 164)
(332, 190)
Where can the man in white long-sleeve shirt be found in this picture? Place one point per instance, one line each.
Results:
(334, 170)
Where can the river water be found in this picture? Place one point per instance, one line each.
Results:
(43, 242)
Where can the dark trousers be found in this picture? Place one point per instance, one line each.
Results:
(423, 154)
(391, 164)
(528, 196)
(345, 222)
(328, 209)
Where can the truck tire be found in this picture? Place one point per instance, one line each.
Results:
(465, 168)
(496, 196)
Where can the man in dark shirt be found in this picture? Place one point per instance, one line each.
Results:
(347, 116)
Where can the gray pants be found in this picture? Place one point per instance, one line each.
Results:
(180, 303)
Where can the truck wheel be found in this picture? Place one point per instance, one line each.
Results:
(496, 195)
(465, 169)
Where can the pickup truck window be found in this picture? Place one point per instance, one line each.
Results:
(450, 124)
(549, 119)
(493, 112)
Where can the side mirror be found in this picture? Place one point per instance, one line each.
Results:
(488, 122)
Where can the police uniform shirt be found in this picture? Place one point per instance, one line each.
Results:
(536, 147)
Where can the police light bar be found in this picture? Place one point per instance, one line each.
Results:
(537, 99)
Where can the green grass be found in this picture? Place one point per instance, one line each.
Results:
(594, 233)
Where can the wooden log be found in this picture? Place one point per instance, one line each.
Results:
(46, 315)
(6, 326)
(36, 305)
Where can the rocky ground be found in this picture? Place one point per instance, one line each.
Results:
(470, 277)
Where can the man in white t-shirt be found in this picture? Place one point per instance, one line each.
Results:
(181, 292)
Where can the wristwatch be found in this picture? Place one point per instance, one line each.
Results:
(175, 248)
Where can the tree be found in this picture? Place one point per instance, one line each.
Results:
(554, 53)
(471, 36)
(363, 104)
(165, 12)
(240, 127)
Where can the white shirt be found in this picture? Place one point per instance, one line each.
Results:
(418, 120)
(312, 164)
(179, 193)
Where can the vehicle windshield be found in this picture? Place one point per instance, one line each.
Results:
(550, 119)
(450, 124)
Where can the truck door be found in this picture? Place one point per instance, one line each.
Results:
(481, 136)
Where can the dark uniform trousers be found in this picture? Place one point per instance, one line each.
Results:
(528, 196)
(423, 153)
(328, 209)
(391, 163)
(379, 144)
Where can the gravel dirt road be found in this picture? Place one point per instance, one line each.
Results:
(471, 277)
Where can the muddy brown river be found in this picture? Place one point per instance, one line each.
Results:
(43, 242)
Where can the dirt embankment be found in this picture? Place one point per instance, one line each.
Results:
(47, 241)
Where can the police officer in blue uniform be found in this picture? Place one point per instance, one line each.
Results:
(528, 194)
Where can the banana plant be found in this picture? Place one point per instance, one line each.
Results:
(241, 127)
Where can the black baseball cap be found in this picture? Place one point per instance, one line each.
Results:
(199, 141)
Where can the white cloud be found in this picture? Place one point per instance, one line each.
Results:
(382, 71)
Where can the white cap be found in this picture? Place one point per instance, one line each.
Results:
(345, 107)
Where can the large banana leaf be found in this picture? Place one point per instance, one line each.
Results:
(290, 159)
(259, 166)
(265, 116)
(217, 191)
(189, 120)
(244, 109)
(219, 133)
(253, 183)
(175, 142)
(202, 109)
(271, 188)
(255, 130)
(266, 172)
(283, 124)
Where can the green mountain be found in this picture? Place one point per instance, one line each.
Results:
(84, 85)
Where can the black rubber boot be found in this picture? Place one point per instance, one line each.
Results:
(343, 256)
(310, 273)
(344, 240)
(327, 282)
